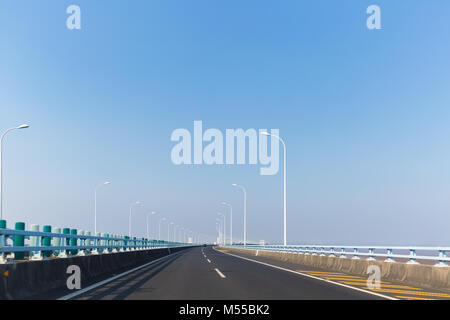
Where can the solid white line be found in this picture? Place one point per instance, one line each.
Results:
(313, 277)
(220, 273)
(101, 283)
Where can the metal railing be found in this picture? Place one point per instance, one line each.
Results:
(17, 245)
(412, 254)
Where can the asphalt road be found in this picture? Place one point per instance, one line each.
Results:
(206, 274)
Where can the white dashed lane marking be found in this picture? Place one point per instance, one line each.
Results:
(220, 273)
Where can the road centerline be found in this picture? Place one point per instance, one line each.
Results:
(220, 274)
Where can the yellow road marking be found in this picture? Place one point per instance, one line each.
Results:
(329, 274)
(342, 278)
(334, 275)
(393, 286)
(390, 288)
(414, 293)
(320, 272)
(412, 298)
(355, 282)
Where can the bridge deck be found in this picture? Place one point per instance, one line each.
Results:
(207, 274)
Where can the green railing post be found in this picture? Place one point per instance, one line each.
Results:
(127, 243)
(97, 244)
(19, 241)
(56, 242)
(47, 241)
(87, 242)
(2, 241)
(108, 244)
(66, 241)
(34, 242)
(73, 241)
(114, 243)
(103, 243)
(122, 243)
(81, 243)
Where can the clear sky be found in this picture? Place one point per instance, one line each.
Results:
(365, 115)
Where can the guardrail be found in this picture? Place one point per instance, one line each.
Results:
(356, 252)
(19, 244)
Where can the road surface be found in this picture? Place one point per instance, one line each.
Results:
(206, 274)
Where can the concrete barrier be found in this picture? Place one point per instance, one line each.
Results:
(27, 279)
(424, 276)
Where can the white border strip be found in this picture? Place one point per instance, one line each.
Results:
(101, 283)
(313, 277)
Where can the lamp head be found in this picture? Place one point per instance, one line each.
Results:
(265, 133)
(23, 126)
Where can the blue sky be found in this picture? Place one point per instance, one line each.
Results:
(364, 113)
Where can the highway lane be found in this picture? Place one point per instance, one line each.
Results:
(206, 274)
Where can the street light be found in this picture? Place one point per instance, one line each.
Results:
(245, 210)
(219, 230)
(23, 126)
(129, 219)
(175, 233)
(149, 214)
(168, 231)
(224, 240)
(285, 179)
(159, 229)
(182, 235)
(191, 235)
(95, 205)
(231, 221)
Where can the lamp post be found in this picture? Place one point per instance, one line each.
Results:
(219, 229)
(168, 231)
(224, 236)
(95, 205)
(129, 219)
(23, 126)
(159, 229)
(175, 227)
(182, 235)
(148, 215)
(285, 181)
(245, 210)
(231, 221)
(191, 236)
